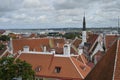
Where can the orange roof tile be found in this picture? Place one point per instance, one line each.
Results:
(71, 68)
(77, 42)
(37, 44)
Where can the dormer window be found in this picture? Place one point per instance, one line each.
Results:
(38, 69)
(57, 69)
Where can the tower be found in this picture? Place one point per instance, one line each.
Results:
(84, 31)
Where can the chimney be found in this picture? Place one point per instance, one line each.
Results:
(11, 46)
(53, 51)
(66, 49)
(80, 50)
(26, 48)
(19, 52)
(44, 49)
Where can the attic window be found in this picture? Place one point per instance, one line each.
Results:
(57, 69)
(38, 69)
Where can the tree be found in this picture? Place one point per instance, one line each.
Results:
(11, 68)
(2, 46)
(71, 35)
(4, 38)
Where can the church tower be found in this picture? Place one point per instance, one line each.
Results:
(84, 31)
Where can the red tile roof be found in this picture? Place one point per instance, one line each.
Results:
(71, 68)
(117, 63)
(104, 70)
(109, 40)
(38, 44)
(91, 39)
(77, 42)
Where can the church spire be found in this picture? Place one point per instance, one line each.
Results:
(84, 40)
(84, 23)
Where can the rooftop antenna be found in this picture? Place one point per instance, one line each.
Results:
(118, 25)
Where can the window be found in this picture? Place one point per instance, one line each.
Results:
(57, 69)
(37, 69)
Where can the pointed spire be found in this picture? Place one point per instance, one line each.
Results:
(84, 23)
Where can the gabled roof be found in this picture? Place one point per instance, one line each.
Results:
(105, 69)
(71, 68)
(91, 39)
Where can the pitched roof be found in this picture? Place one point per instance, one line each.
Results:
(109, 40)
(37, 44)
(104, 70)
(74, 46)
(117, 64)
(71, 68)
(77, 42)
(91, 39)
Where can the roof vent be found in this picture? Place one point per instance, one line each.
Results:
(26, 48)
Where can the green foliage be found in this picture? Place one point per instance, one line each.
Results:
(4, 38)
(11, 68)
(71, 35)
(2, 46)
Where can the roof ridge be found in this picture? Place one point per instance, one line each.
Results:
(115, 59)
(82, 59)
(115, 41)
(52, 57)
(3, 53)
(76, 68)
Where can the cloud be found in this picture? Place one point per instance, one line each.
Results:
(9, 5)
(59, 12)
(4, 19)
(42, 18)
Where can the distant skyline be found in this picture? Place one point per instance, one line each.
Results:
(25, 14)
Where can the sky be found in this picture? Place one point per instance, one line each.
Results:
(35, 14)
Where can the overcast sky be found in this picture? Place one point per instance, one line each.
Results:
(58, 13)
